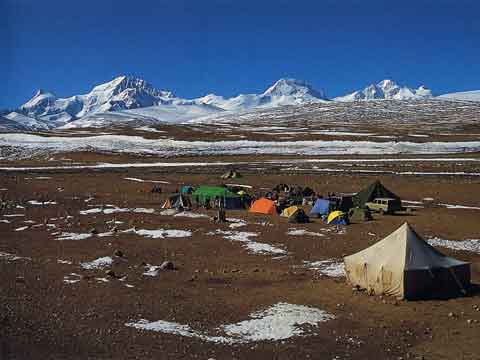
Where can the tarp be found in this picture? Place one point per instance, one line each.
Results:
(373, 191)
(321, 207)
(405, 266)
(263, 206)
(287, 212)
(211, 194)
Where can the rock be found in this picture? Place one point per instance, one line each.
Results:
(110, 273)
(451, 315)
(93, 231)
(469, 321)
(118, 253)
(167, 265)
(20, 279)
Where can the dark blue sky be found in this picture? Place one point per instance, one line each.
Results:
(230, 47)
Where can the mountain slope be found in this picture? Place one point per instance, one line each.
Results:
(465, 95)
(283, 92)
(121, 93)
(387, 89)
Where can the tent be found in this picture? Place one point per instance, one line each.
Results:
(342, 202)
(405, 266)
(176, 201)
(263, 206)
(231, 174)
(373, 191)
(337, 217)
(204, 195)
(359, 215)
(321, 207)
(299, 217)
(187, 189)
(287, 212)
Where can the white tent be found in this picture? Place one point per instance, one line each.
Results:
(405, 266)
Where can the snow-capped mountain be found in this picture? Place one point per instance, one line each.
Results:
(283, 92)
(121, 93)
(387, 89)
(464, 96)
(16, 121)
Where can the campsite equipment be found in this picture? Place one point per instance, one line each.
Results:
(216, 196)
(187, 189)
(177, 201)
(342, 202)
(231, 174)
(298, 217)
(337, 217)
(405, 266)
(359, 215)
(263, 206)
(384, 205)
(321, 207)
(287, 212)
(372, 192)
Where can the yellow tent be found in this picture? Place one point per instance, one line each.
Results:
(334, 215)
(287, 212)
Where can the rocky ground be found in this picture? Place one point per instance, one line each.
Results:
(55, 304)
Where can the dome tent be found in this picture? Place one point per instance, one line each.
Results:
(405, 266)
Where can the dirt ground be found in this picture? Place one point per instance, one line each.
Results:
(216, 281)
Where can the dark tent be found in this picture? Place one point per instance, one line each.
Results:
(373, 191)
(298, 217)
(342, 202)
(359, 215)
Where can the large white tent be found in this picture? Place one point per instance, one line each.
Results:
(405, 266)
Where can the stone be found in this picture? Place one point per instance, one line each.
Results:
(167, 265)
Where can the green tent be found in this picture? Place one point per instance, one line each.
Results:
(373, 191)
(358, 215)
(204, 194)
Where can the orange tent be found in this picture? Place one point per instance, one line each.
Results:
(263, 206)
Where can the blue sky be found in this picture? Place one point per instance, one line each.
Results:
(230, 47)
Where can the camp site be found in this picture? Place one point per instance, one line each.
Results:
(251, 264)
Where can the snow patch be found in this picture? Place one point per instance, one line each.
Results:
(72, 236)
(472, 245)
(99, 263)
(279, 322)
(252, 246)
(160, 233)
(303, 232)
(330, 267)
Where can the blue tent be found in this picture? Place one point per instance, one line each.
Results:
(321, 207)
(339, 221)
(187, 189)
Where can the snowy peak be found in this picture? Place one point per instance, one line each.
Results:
(294, 88)
(121, 93)
(387, 89)
(282, 92)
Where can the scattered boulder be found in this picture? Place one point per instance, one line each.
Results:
(118, 253)
(167, 265)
